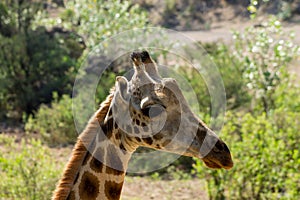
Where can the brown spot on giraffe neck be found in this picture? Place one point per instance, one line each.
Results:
(123, 148)
(88, 154)
(96, 162)
(148, 140)
(158, 136)
(89, 186)
(118, 136)
(110, 170)
(138, 122)
(113, 190)
(138, 139)
(108, 128)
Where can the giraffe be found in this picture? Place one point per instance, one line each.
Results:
(147, 111)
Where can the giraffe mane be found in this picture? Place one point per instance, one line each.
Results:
(80, 150)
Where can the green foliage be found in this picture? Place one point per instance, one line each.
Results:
(285, 10)
(106, 82)
(55, 124)
(34, 63)
(198, 84)
(264, 142)
(266, 157)
(230, 70)
(27, 169)
(264, 53)
(179, 170)
(252, 8)
(97, 20)
(287, 95)
(231, 73)
(16, 17)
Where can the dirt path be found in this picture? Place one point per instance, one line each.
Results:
(223, 32)
(137, 188)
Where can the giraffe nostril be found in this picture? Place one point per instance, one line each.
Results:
(219, 146)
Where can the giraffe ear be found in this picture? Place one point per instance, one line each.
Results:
(122, 87)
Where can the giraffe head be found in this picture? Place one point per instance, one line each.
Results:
(151, 111)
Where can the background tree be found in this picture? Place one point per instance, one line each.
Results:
(34, 63)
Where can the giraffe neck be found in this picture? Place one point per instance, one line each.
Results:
(103, 169)
(97, 167)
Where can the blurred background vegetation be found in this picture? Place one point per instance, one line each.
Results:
(43, 43)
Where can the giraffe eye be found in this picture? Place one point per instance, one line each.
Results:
(153, 110)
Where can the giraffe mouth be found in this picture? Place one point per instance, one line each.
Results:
(216, 164)
(212, 164)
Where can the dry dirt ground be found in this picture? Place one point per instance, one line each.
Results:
(143, 188)
(222, 31)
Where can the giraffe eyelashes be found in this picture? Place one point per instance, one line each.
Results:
(153, 111)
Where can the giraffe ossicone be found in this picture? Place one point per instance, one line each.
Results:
(147, 111)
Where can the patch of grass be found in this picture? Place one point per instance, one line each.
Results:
(28, 170)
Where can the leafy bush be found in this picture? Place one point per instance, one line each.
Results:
(263, 143)
(106, 82)
(264, 53)
(231, 73)
(266, 157)
(34, 63)
(287, 96)
(55, 124)
(27, 169)
(99, 20)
